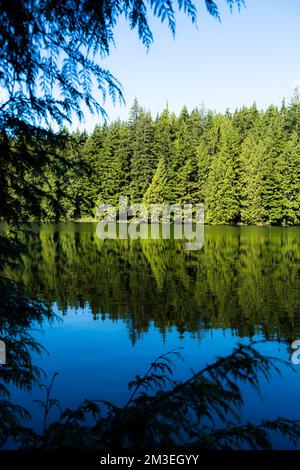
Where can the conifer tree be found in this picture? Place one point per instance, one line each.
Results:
(73, 179)
(291, 114)
(274, 141)
(291, 181)
(157, 190)
(243, 166)
(252, 155)
(143, 157)
(112, 165)
(91, 154)
(222, 190)
(185, 158)
(164, 151)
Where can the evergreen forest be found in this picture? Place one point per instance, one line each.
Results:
(245, 166)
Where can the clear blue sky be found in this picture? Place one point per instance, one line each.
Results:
(251, 56)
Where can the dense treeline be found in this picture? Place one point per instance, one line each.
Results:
(244, 165)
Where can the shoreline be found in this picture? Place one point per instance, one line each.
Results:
(94, 221)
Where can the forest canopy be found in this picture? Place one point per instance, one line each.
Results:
(245, 166)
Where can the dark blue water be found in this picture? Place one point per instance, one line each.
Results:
(122, 304)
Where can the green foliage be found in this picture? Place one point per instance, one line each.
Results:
(143, 157)
(244, 166)
(222, 186)
(187, 137)
(252, 207)
(156, 192)
(291, 181)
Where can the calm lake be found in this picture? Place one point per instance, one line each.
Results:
(121, 303)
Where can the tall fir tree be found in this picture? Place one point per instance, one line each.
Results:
(252, 181)
(112, 165)
(143, 156)
(222, 190)
(185, 158)
(92, 150)
(291, 181)
(274, 141)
